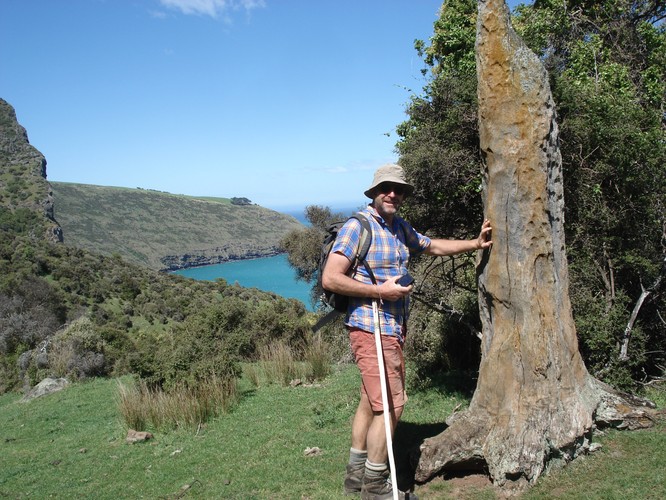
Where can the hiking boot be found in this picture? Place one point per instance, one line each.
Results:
(354, 479)
(380, 488)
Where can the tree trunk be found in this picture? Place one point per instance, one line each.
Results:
(535, 403)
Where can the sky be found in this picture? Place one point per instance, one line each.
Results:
(286, 102)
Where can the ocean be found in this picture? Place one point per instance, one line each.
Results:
(271, 274)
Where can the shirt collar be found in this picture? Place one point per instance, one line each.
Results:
(380, 219)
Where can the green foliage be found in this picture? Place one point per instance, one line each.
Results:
(607, 65)
(444, 319)
(9, 375)
(19, 221)
(77, 351)
(213, 340)
(241, 201)
(451, 47)
(303, 246)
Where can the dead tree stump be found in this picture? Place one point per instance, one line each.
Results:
(535, 403)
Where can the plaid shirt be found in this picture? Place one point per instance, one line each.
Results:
(388, 256)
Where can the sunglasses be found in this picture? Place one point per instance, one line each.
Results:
(390, 187)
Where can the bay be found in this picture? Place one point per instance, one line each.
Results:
(270, 274)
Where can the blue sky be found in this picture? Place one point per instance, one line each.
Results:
(285, 102)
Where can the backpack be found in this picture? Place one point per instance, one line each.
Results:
(335, 300)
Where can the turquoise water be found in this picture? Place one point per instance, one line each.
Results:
(271, 274)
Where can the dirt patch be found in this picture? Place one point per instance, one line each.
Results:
(468, 487)
(473, 481)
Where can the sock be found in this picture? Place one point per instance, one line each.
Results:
(357, 457)
(374, 470)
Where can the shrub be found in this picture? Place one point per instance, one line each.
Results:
(77, 351)
(187, 353)
(9, 376)
(22, 325)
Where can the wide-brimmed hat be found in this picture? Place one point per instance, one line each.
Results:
(389, 173)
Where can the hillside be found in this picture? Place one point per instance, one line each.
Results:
(164, 231)
(70, 312)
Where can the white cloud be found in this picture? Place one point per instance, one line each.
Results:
(211, 8)
(350, 168)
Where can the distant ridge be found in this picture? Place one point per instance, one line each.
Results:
(166, 231)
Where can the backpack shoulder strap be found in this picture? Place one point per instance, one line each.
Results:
(365, 239)
(364, 244)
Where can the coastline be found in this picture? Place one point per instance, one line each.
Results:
(191, 261)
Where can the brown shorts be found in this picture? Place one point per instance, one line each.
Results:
(365, 353)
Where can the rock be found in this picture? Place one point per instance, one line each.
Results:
(46, 386)
(137, 436)
(312, 452)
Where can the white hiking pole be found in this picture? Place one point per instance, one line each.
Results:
(385, 407)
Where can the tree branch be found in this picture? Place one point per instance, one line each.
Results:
(639, 303)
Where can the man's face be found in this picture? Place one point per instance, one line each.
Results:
(388, 198)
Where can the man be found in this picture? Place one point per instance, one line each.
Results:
(393, 240)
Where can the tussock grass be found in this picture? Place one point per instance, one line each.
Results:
(319, 358)
(142, 407)
(278, 363)
(252, 373)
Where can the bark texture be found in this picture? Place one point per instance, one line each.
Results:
(535, 403)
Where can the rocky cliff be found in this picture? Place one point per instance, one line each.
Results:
(23, 173)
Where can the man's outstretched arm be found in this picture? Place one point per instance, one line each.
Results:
(442, 247)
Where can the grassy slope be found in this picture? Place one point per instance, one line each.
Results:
(71, 445)
(144, 225)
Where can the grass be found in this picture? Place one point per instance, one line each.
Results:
(71, 444)
(142, 407)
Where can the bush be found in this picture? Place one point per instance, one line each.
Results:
(9, 376)
(22, 324)
(187, 353)
(77, 351)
